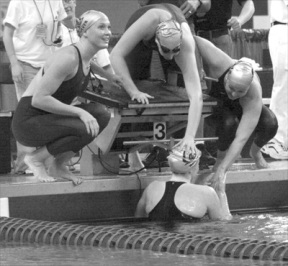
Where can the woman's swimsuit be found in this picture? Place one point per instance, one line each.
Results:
(166, 209)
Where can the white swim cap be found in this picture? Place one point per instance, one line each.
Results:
(169, 33)
(87, 20)
(240, 75)
(181, 163)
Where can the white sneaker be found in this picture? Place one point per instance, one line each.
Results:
(275, 150)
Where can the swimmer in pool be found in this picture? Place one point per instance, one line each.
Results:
(180, 198)
(240, 112)
(45, 118)
(164, 29)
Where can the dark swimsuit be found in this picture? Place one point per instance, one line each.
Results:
(34, 127)
(166, 209)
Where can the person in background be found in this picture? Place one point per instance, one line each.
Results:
(240, 112)
(277, 148)
(180, 198)
(31, 33)
(164, 29)
(215, 25)
(189, 8)
(46, 120)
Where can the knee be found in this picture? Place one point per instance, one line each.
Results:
(272, 127)
(103, 120)
(230, 123)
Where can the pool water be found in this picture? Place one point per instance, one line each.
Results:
(272, 226)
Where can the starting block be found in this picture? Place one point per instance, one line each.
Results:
(165, 114)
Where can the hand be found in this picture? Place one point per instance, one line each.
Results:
(141, 97)
(189, 7)
(234, 23)
(90, 122)
(17, 72)
(187, 145)
(218, 181)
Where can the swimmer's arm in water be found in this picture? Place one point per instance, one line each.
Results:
(218, 208)
(141, 29)
(141, 206)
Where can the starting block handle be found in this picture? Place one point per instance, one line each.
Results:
(141, 142)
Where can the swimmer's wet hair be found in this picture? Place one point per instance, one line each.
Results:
(87, 20)
(167, 29)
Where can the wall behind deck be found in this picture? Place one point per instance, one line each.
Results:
(118, 11)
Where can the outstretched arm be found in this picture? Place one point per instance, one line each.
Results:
(186, 60)
(218, 207)
(143, 28)
(251, 105)
(214, 59)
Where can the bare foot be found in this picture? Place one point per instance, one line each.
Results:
(259, 159)
(63, 171)
(38, 169)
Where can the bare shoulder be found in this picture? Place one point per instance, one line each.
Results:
(64, 60)
(254, 94)
(192, 199)
(155, 186)
(153, 193)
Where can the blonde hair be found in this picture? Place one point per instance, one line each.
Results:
(87, 20)
(240, 75)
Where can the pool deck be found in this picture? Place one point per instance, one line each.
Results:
(247, 188)
(12, 185)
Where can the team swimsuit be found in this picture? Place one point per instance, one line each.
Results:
(166, 209)
(34, 127)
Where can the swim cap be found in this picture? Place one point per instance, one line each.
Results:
(87, 20)
(240, 75)
(169, 33)
(182, 163)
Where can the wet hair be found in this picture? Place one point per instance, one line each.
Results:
(240, 75)
(181, 163)
(87, 20)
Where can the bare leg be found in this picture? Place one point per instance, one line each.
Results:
(20, 165)
(59, 168)
(35, 161)
(135, 161)
(256, 154)
(220, 156)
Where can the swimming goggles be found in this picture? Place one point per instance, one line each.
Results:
(166, 50)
